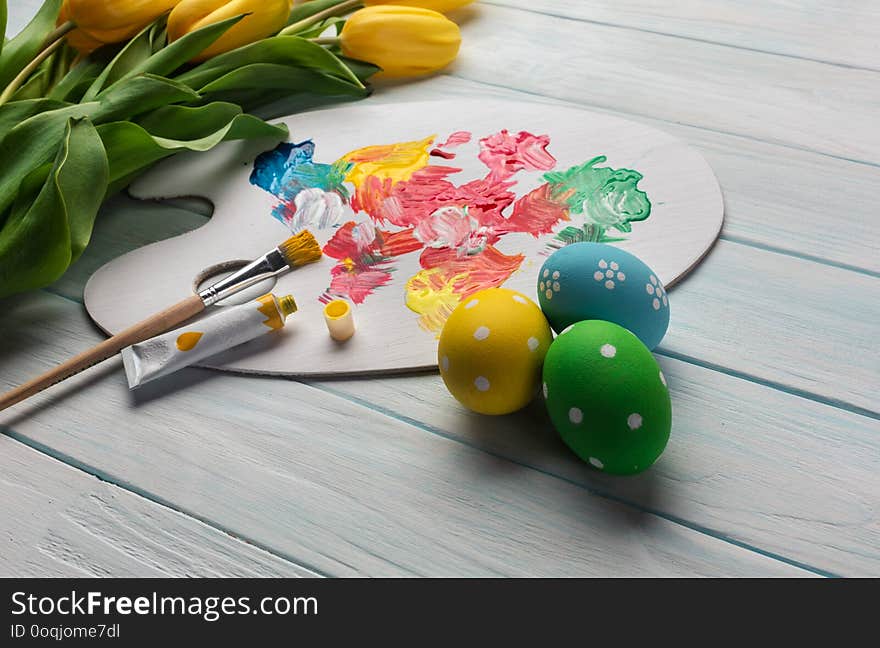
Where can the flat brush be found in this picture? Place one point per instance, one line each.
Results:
(296, 251)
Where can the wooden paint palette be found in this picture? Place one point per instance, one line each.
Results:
(374, 261)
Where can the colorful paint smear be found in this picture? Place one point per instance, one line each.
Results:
(412, 205)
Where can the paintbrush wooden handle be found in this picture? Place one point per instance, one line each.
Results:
(153, 325)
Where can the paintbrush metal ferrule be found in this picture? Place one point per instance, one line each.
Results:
(268, 265)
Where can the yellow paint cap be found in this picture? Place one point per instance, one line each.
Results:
(287, 305)
(340, 320)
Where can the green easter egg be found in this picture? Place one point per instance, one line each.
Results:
(607, 397)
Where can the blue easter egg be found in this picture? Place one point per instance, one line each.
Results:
(597, 281)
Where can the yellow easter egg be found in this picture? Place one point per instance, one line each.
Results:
(492, 349)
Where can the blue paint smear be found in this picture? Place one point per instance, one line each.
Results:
(289, 168)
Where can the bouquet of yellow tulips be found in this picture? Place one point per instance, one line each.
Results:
(92, 92)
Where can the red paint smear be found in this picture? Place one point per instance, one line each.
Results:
(342, 245)
(357, 286)
(446, 155)
(398, 243)
(536, 213)
(505, 154)
(489, 269)
(456, 139)
(408, 203)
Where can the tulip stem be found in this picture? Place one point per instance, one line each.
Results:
(326, 40)
(314, 19)
(53, 42)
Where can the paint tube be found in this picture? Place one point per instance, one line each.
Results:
(228, 327)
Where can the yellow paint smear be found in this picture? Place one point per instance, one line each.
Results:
(430, 294)
(396, 161)
(188, 341)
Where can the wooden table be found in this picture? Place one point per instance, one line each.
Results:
(773, 467)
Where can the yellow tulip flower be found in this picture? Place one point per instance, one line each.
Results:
(403, 41)
(434, 5)
(77, 39)
(110, 21)
(265, 17)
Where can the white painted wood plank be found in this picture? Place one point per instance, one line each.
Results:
(57, 521)
(342, 488)
(763, 467)
(801, 103)
(839, 31)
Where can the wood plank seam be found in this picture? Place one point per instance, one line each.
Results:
(758, 245)
(591, 490)
(694, 39)
(622, 112)
(143, 494)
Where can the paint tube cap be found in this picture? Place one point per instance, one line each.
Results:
(286, 305)
(340, 320)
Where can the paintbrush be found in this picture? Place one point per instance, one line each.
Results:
(296, 251)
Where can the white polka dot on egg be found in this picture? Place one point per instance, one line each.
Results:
(634, 421)
(482, 383)
(520, 299)
(471, 303)
(533, 343)
(608, 350)
(596, 463)
(575, 415)
(481, 333)
(444, 363)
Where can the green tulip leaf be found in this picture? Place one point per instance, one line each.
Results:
(172, 56)
(159, 34)
(132, 148)
(19, 51)
(308, 9)
(15, 112)
(77, 81)
(33, 88)
(361, 69)
(138, 95)
(48, 229)
(259, 76)
(283, 50)
(31, 144)
(321, 27)
(132, 55)
(273, 105)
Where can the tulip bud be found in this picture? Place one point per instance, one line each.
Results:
(265, 17)
(77, 39)
(109, 21)
(403, 41)
(434, 5)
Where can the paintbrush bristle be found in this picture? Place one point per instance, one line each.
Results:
(300, 249)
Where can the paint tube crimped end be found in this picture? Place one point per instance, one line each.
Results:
(340, 319)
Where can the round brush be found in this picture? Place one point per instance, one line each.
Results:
(296, 251)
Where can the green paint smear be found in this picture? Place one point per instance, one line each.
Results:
(607, 198)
